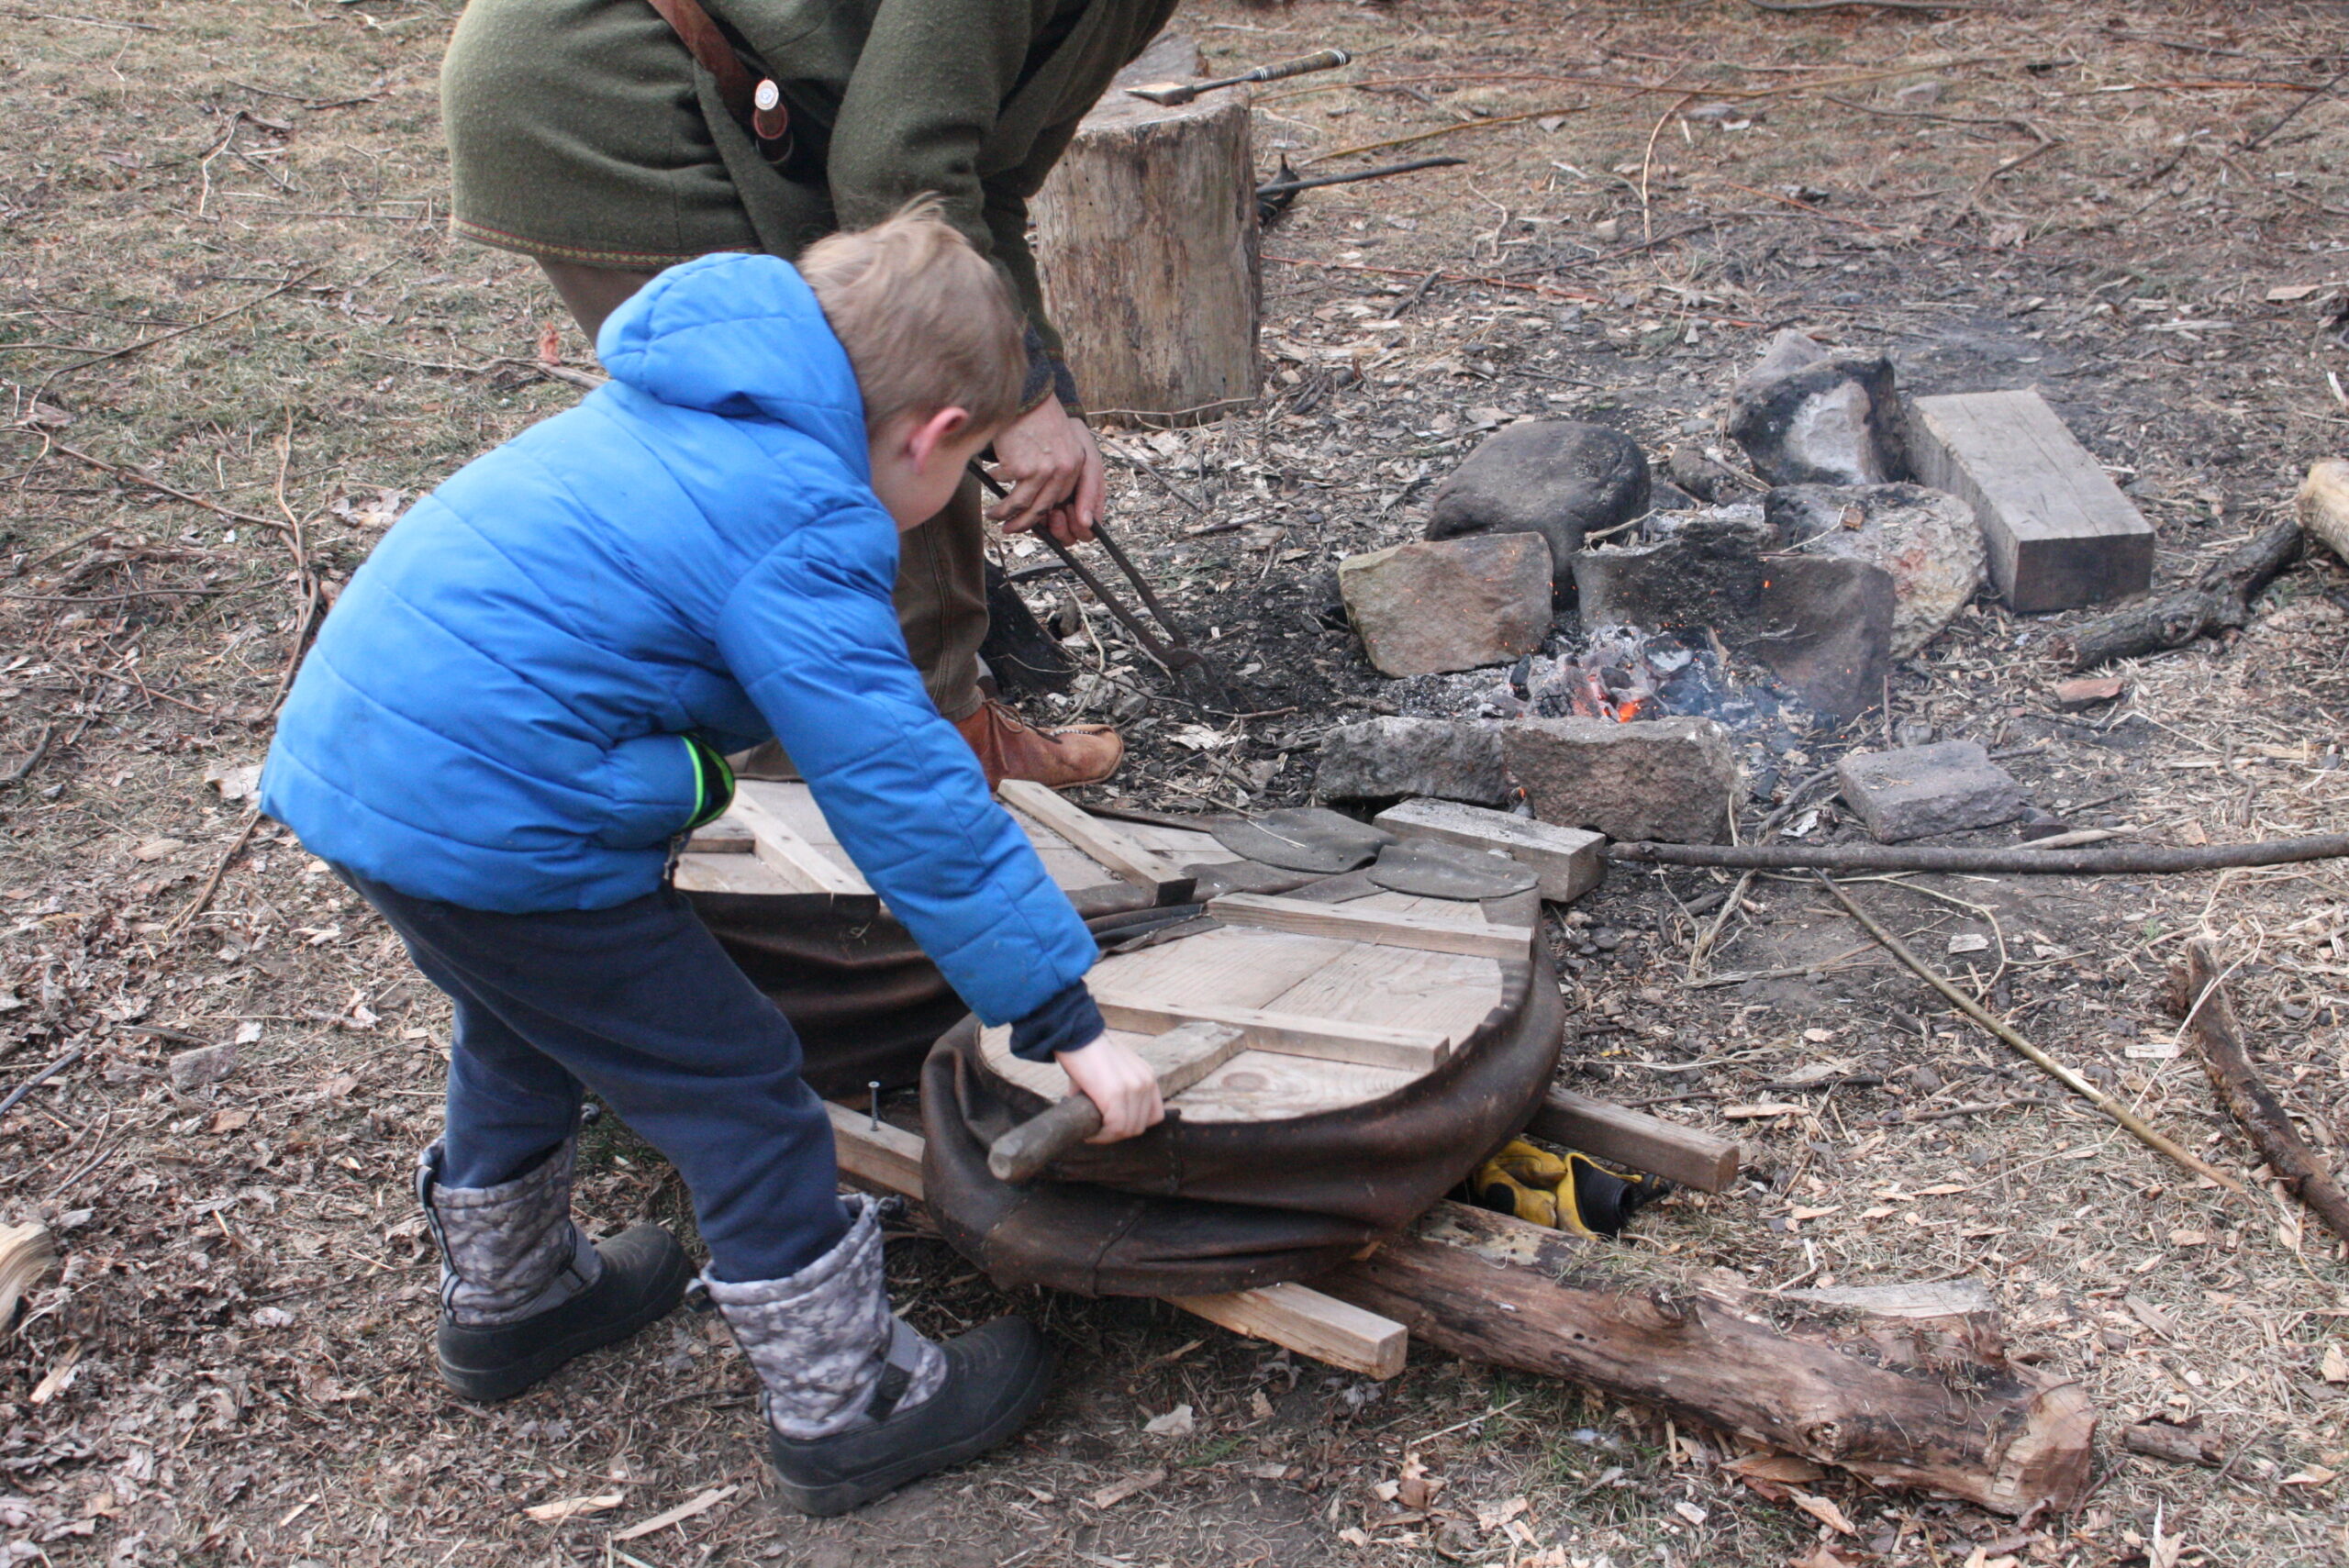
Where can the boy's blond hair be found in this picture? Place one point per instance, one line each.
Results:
(926, 323)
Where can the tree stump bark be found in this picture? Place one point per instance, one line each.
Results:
(1147, 243)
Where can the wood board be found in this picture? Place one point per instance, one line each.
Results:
(2059, 533)
(1567, 860)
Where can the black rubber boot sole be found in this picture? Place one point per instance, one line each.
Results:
(996, 1376)
(644, 1277)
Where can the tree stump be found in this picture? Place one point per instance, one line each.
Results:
(1147, 243)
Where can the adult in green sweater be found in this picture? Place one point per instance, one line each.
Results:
(588, 135)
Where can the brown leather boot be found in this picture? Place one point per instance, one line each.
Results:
(1059, 758)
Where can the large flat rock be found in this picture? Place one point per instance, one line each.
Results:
(1919, 791)
(1426, 607)
(1667, 779)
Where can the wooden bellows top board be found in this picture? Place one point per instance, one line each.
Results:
(1341, 1004)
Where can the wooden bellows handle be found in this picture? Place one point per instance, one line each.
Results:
(1020, 1155)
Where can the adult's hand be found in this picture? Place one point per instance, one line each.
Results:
(1054, 470)
(1120, 1083)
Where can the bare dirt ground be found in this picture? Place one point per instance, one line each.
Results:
(235, 337)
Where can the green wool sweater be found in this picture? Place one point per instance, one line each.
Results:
(582, 130)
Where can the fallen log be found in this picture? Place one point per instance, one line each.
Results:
(2137, 860)
(2218, 600)
(2196, 991)
(1908, 1385)
(1902, 1387)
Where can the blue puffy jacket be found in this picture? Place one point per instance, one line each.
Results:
(495, 713)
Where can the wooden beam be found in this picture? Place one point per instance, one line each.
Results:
(727, 836)
(1105, 842)
(2059, 533)
(886, 1157)
(1285, 1034)
(791, 856)
(1643, 1143)
(1567, 860)
(1427, 931)
(1311, 1324)
(1295, 1316)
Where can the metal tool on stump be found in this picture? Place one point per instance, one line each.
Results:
(1180, 1057)
(1172, 93)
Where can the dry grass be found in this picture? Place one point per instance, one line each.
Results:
(242, 204)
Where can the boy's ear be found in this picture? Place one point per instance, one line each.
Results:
(938, 431)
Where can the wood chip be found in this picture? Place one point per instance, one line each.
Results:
(572, 1507)
(1117, 1492)
(701, 1503)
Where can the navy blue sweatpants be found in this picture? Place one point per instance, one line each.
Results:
(639, 1004)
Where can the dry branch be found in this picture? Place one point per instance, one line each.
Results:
(2129, 1121)
(2196, 985)
(2219, 600)
(2138, 859)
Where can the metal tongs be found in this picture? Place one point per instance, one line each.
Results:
(1175, 653)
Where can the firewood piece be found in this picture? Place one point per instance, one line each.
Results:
(2180, 1445)
(1918, 1403)
(2218, 1040)
(2144, 859)
(1147, 242)
(25, 1252)
(2325, 505)
(1625, 1137)
(2060, 532)
(2219, 600)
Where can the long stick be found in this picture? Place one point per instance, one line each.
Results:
(2136, 1126)
(2148, 859)
(2218, 1040)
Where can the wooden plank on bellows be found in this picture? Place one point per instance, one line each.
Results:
(2059, 533)
(1435, 934)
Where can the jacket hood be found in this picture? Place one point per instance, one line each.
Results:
(740, 336)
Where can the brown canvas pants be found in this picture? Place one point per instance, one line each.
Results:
(941, 592)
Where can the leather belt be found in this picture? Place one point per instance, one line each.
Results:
(755, 101)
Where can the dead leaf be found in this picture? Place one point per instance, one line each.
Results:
(2314, 1475)
(572, 1507)
(1748, 1113)
(1492, 1518)
(1690, 1511)
(1117, 1492)
(1824, 1510)
(2337, 1365)
(233, 781)
(230, 1121)
(2292, 294)
(156, 848)
(1821, 1556)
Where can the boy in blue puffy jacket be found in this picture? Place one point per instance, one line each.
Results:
(523, 698)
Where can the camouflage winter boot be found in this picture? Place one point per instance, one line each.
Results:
(523, 1290)
(857, 1404)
